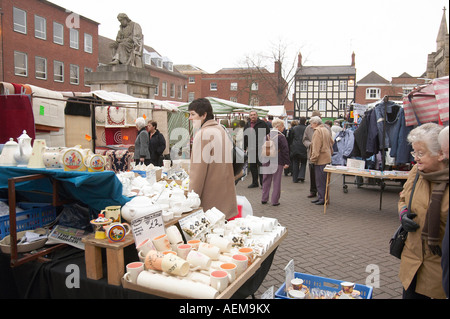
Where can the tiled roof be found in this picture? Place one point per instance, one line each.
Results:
(373, 78)
(326, 70)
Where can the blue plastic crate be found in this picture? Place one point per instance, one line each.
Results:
(142, 173)
(324, 284)
(34, 216)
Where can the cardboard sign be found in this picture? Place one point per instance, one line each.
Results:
(147, 227)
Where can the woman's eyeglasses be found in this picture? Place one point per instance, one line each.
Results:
(418, 154)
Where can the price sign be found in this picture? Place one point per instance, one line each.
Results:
(147, 227)
(289, 270)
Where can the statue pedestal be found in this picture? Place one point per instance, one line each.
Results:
(125, 79)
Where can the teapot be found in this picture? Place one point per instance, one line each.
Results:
(23, 153)
(193, 200)
(99, 223)
(7, 156)
(139, 206)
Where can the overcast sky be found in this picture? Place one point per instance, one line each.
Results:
(388, 36)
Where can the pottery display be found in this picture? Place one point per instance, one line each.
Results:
(99, 224)
(95, 162)
(23, 153)
(137, 207)
(116, 232)
(53, 157)
(7, 156)
(73, 159)
(36, 158)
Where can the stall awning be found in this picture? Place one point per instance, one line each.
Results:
(221, 106)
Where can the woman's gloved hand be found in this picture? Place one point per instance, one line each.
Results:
(406, 218)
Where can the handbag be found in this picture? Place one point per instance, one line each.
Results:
(398, 240)
(269, 148)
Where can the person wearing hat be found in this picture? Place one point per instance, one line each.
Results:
(307, 139)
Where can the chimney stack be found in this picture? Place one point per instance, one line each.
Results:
(299, 60)
(353, 59)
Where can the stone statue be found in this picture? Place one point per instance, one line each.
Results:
(129, 44)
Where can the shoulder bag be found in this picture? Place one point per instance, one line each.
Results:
(398, 240)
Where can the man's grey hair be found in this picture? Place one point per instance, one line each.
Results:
(428, 134)
(443, 136)
(315, 120)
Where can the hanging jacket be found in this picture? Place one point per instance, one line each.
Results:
(342, 147)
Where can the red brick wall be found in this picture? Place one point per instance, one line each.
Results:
(32, 46)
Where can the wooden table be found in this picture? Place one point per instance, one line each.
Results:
(331, 170)
(229, 291)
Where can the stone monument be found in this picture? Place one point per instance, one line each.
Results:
(126, 72)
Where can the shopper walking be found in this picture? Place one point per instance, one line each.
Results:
(157, 143)
(254, 133)
(211, 167)
(321, 151)
(420, 265)
(298, 151)
(273, 168)
(141, 151)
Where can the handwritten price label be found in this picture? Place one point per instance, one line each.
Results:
(147, 227)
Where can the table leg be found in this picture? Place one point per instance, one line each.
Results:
(326, 193)
(116, 267)
(93, 259)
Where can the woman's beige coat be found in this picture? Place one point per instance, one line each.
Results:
(211, 172)
(416, 257)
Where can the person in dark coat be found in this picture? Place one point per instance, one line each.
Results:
(255, 132)
(157, 143)
(298, 151)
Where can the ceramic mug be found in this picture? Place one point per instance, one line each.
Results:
(161, 243)
(297, 283)
(223, 243)
(183, 250)
(145, 247)
(230, 268)
(241, 262)
(296, 294)
(198, 260)
(219, 280)
(133, 271)
(194, 243)
(116, 231)
(210, 250)
(112, 212)
(153, 260)
(175, 265)
(247, 251)
(347, 287)
(174, 235)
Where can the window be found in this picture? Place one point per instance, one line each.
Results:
(58, 33)
(40, 27)
(233, 99)
(20, 20)
(87, 43)
(164, 89)
(213, 86)
(373, 93)
(304, 86)
(74, 74)
(322, 85)
(147, 59)
(192, 79)
(406, 91)
(20, 64)
(342, 85)
(342, 104)
(233, 86)
(157, 89)
(322, 105)
(303, 105)
(74, 38)
(254, 101)
(172, 90)
(86, 70)
(180, 92)
(254, 86)
(191, 96)
(41, 68)
(58, 71)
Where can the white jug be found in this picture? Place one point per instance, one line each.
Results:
(37, 158)
(23, 153)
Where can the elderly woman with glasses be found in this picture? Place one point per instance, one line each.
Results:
(425, 219)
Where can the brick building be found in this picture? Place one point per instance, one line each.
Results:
(250, 86)
(44, 45)
(374, 87)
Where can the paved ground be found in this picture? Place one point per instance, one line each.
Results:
(346, 243)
